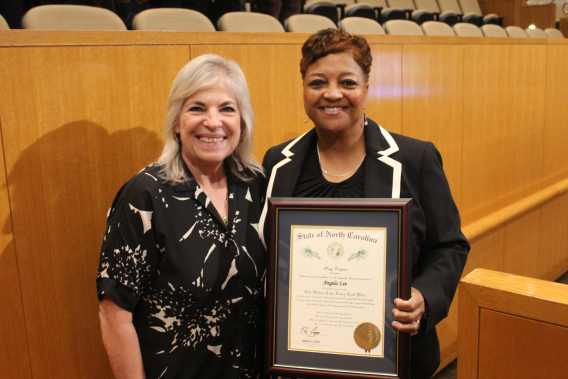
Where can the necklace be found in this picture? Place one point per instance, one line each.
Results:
(226, 210)
(341, 175)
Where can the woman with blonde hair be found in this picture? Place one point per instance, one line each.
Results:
(181, 269)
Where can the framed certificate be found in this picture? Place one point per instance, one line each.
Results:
(335, 268)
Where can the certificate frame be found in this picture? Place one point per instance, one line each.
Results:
(284, 214)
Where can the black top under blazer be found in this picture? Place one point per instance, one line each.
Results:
(398, 167)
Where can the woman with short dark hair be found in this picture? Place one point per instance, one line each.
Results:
(348, 155)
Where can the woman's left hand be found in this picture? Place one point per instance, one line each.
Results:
(408, 313)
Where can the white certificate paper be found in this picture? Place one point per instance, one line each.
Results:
(337, 290)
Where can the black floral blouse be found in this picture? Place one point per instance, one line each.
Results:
(193, 284)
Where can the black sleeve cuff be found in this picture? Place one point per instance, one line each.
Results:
(120, 294)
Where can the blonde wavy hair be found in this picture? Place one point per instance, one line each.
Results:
(202, 72)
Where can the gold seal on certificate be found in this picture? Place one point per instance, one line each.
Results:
(367, 336)
(335, 250)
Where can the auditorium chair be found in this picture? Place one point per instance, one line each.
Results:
(322, 8)
(403, 27)
(553, 33)
(359, 25)
(307, 23)
(341, 5)
(437, 28)
(384, 13)
(360, 10)
(71, 17)
(249, 22)
(178, 19)
(472, 14)
(417, 15)
(3, 23)
(515, 32)
(491, 30)
(535, 33)
(448, 17)
(451, 6)
(464, 29)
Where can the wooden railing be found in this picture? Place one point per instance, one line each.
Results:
(512, 327)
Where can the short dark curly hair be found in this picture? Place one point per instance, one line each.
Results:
(332, 41)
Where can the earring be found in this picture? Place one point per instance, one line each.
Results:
(305, 121)
(365, 117)
(176, 136)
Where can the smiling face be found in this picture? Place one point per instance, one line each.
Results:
(209, 125)
(335, 93)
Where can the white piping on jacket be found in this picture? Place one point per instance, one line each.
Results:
(397, 166)
(287, 153)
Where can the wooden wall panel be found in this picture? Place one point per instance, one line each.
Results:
(77, 123)
(522, 245)
(487, 251)
(433, 103)
(385, 87)
(486, 111)
(555, 130)
(512, 347)
(525, 125)
(273, 75)
(14, 360)
(553, 257)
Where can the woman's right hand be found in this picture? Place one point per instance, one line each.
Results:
(121, 341)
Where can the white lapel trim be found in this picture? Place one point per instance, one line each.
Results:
(287, 153)
(397, 166)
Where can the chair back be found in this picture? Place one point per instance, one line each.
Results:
(346, 2)
(403, 27)
(450, 5)
(178, 19)
(249, 22)
(470, 6)
(535, 33)
(307, 23)
(322, 8)
(553, 33)
(375, 3)
(491, 30)
(401, 4)
(71, 17)
(3, 23)
(427, 5)
(360, 10)
(515, 32)
(463, 29)
(436, 28)
(359, 25)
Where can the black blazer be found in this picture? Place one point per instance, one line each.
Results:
(400, 167)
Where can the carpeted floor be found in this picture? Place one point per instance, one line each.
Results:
(451, 370)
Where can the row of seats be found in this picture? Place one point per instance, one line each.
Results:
(91, 18)
(419, 11)
(462, 29)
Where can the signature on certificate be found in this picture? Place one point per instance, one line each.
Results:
(310, 333)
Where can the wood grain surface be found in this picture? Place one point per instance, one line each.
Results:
(511, 327)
